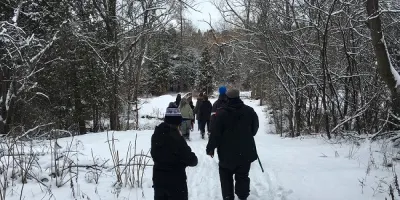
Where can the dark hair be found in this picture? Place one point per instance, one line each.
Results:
(201, 94)
(205, 97)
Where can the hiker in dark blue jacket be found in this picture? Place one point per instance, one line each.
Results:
(171, 155)
(233, 133)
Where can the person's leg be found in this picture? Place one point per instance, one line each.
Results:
(184, 129)
(202, 126)
(208, 126)
(226, 178)
(179, 193)
(242, 181)
(160, 194)
(188, 125)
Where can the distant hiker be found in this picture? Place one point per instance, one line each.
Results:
(196, 108)
(233, 136)
(191, 106)
(204, 114)
(187, 115)
(178, 99)
(190, 101)
(171, 155)
(220, 103)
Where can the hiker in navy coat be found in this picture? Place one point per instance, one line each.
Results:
(233, 133)
(171, 155)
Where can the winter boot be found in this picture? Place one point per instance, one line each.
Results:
(186, 137)
(229, 198)
(202, 135)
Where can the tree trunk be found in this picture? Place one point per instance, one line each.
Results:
(324, 66)
(128, 112)
(297, 113)
(309, 111)
(139, 63)
(5, 84)
(96, 121)
(385, 68)
(280, 116)
(113, 106)
(79, 119)
(291, 120)
(316, 114)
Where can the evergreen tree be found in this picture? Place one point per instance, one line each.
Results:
(206, 73)
(157, 76)
(233, 73)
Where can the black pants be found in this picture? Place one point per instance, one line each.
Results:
(177, 193)
(202, 125)
(242, 185)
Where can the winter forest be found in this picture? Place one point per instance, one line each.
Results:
(327, 68)
(321, 66)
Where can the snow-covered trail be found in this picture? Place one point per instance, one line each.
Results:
(295, 168)
(264, 185)
(203, 180)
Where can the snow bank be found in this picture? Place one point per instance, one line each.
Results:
(155, 106)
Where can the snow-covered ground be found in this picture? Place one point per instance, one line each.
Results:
(295, 169)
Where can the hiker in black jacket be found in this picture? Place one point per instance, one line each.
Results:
(220, 103)
(171, 155)
(178, 100)
(233, 137)
(204, 114)
(197, 107)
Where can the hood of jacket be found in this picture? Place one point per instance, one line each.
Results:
(235, 103)
(183, 103)
(235, 108)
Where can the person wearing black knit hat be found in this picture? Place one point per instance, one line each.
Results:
(171, 155)
(233, 133)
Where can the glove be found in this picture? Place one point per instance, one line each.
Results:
(211, 153)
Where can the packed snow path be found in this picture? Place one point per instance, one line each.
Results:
(203, 180)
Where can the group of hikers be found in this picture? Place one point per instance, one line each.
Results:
(202, 112)
(231, 125)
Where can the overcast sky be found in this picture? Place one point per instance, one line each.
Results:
(206, 8)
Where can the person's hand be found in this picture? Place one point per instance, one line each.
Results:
(211, 154)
